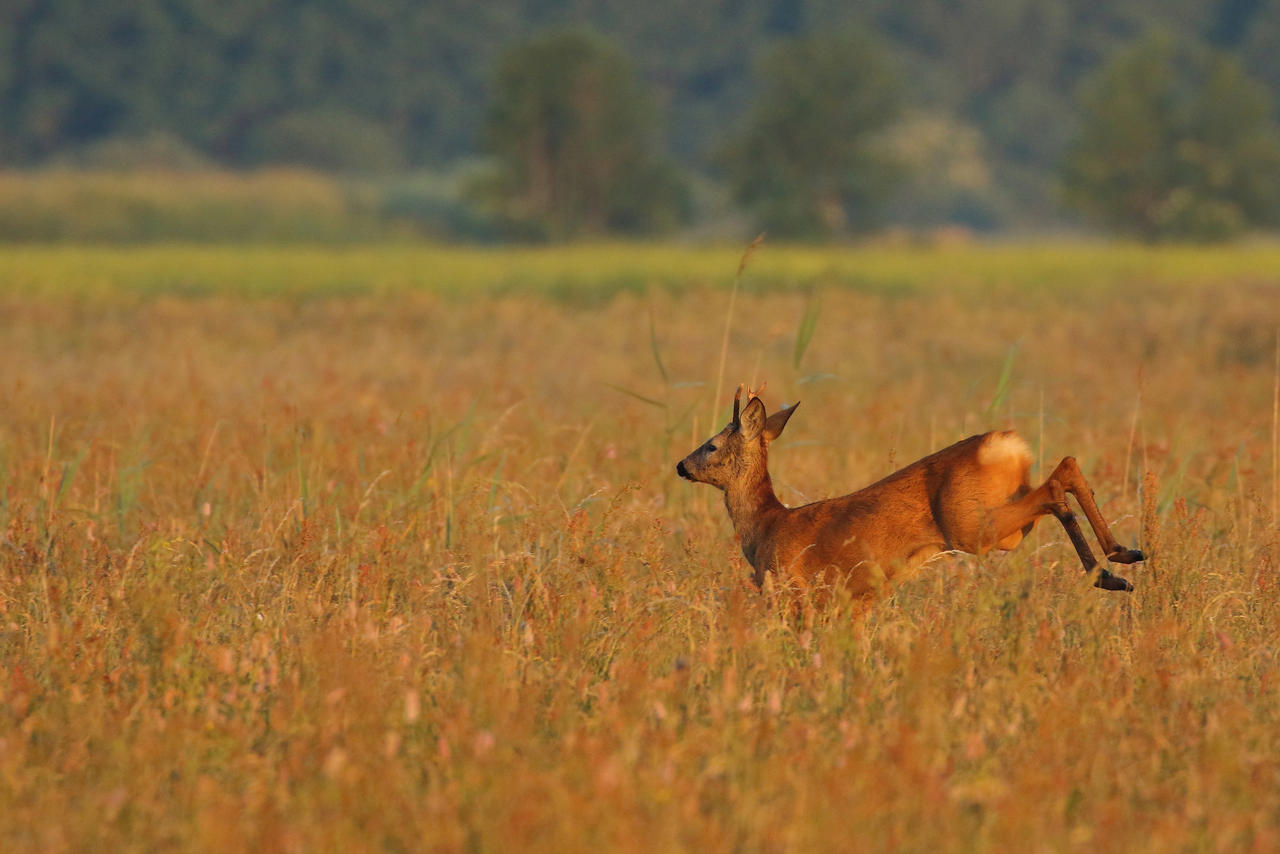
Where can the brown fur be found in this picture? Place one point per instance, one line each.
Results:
(973, 496)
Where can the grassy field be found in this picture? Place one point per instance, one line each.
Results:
(382, 549)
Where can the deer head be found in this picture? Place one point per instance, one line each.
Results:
(738, 454)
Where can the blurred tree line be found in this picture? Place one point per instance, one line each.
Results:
(820, 117)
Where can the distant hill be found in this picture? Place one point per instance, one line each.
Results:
(379, 85)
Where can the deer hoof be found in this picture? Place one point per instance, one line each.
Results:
(1110, 581)
(1126, 556)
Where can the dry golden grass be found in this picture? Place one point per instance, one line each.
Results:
(398, 568)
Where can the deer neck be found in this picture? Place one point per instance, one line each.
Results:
(751, 505)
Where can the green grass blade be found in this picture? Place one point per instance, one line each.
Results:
(804, 332)
(637, 396)
(1002, 384)
(69, 473)
(657, 354)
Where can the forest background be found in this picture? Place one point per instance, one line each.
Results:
(392, 112)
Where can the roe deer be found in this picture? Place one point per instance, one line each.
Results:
(973, 496)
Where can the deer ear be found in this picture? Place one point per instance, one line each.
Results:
(752, 420)
(778, 420)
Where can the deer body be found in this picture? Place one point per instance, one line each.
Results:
(973, 496)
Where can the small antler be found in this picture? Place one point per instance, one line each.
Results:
(751, 395)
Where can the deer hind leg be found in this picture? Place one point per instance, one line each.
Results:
(1011, 541)
(1068, 474)
(1050, 498)
(1106, 579)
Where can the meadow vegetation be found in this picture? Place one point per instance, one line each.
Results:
(382, 548)
(131, 206)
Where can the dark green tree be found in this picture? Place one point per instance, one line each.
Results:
(1175, 142)
(331, 140)
(575, 137)
(812, 159)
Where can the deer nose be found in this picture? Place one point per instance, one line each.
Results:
(682, 471)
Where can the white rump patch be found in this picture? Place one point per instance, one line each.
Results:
(1003, 448)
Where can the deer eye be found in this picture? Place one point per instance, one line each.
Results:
(711, 449)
